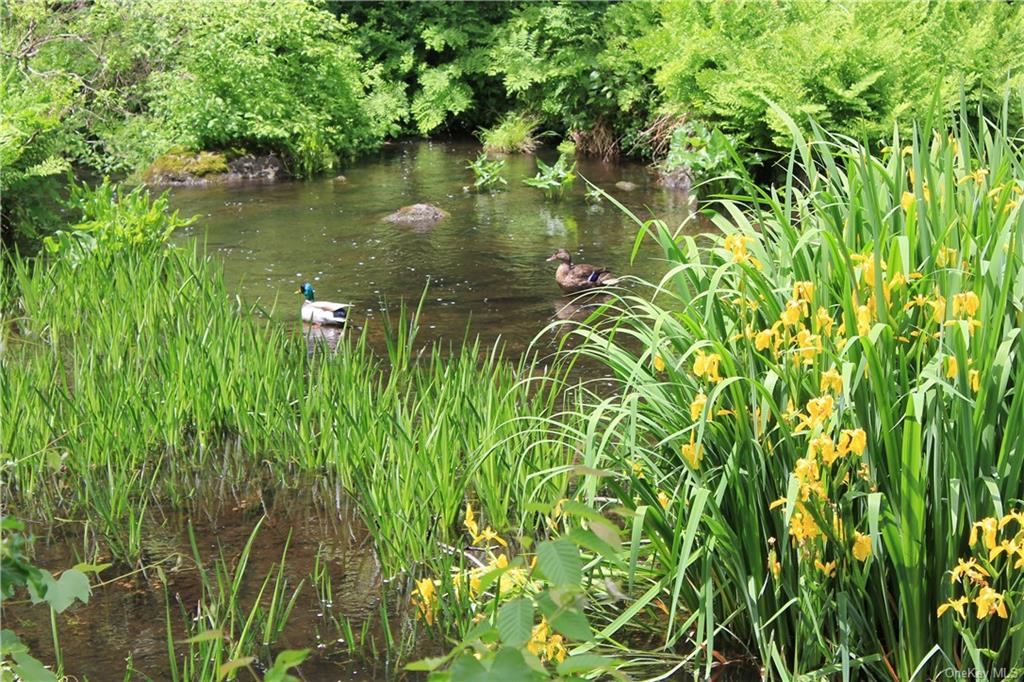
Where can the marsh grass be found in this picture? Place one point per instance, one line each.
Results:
(225, 628)
(124, 373)
(820, 409)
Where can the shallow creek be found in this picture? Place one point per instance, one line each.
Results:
(483, 268)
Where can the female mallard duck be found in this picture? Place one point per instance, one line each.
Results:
(321, 312)
(579, 277)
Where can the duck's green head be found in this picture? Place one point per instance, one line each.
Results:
(307, 291)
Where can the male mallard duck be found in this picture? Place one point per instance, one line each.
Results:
(581, 276)
(321, 312)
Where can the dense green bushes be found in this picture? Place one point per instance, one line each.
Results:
(272, 75)
(269, 75)
(465, 64)
(857, 68)
(111, 85)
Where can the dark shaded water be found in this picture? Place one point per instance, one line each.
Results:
(485, 265)
(341, 610)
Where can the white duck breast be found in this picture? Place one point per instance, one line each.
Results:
(324, 312)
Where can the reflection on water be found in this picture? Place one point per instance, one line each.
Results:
(580, 307)
(485, 264)
(322, 336)
(126, 618)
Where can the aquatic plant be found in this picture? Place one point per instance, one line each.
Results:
(17, 572)
(487, 172)
(113, 218)
(821, 405)
(555, 179)
(225, 634)
(188, 368)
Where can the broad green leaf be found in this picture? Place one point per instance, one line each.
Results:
(573, 624)
(426, 664)
(559, 561)
(567, 620)
(285, 660)
(596, 544)
(10, 643)
(515, 622)
(62, 593)
(584, 663)
(31, 670)
(509, 665)
(467, 669)
(289, 658)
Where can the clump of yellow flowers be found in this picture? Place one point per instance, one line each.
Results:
(1000, 543)
(812, 333)
(545, 645)
(513, 579)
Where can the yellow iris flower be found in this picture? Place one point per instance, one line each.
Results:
(706, 365)
(862, 547)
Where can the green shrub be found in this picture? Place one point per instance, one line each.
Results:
(270, 75)
(465, 64)
(33, 145)
(514, 133)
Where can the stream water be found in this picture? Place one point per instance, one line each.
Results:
(483, 268)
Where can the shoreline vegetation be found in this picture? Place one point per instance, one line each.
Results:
(110, 88)
(809, 465)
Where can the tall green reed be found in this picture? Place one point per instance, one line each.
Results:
(818, 404)
(126, 371)
(227, 629)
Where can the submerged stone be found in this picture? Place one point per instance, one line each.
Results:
(419, 215)
(626, 185)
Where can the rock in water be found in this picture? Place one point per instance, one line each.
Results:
(417, 215)
(180, 166)
(626, 185)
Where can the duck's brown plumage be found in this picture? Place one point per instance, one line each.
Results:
(579, 276)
